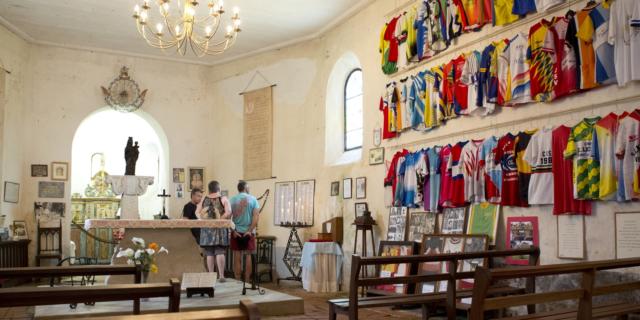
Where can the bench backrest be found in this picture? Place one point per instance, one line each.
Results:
(46, 272)
(357, 263)
(35, 296)
(484, 278)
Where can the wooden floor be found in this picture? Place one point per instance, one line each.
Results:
(315, 307)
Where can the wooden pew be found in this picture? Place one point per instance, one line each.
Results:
(584, 294)
(351, 305)
(37, 296)
(67, 271)
(247, 310)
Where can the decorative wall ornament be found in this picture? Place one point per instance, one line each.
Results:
(124, 94)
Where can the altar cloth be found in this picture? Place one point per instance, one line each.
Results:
(321, 264)
(158, 224)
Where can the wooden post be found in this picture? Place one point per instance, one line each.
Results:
(353, 287)
(137, 278)
(530, 282)
(451, 289)
(481, 283)
(585, 304)
(174, 297)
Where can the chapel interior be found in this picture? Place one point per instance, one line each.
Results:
(320, 159)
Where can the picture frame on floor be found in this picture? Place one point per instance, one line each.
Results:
(522, 233)
(430, 245)
(396, 249)
(483, 219)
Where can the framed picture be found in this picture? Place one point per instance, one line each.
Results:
(284, 199)
(346, 188)
(361, 207)
(377, 136)
(421, 223)
(483, 219)
(376, 156)
(48, 211)
(178, 175)
(431, 245)
(179, 190)
(361, 187)
(304, 204)
(11, 192)
(335, 188)
(627, 233)
(571, 236)
(453, 220)
(452, 244)
(396, 231)
(472, 243)
(522, 232)
(20, 230)
(50, 189)
(196, 178)
(60, 171)
(4, 234)
(39, 170)
(396, 249)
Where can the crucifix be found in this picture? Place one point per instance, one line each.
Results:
(164, 197)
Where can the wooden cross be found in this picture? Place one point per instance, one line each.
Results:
(164, 197)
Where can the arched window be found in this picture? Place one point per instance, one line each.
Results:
(353, 118)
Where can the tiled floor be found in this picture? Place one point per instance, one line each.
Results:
(315, 306)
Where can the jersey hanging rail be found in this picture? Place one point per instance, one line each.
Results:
(588, 107)
(454, 50)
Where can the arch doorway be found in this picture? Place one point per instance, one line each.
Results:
(98, 145)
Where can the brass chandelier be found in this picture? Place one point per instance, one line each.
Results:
(177, 25)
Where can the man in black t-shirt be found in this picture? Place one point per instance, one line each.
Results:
(189, 211)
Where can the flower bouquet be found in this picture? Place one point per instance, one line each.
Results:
(145, 256)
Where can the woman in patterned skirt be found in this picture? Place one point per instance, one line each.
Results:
(214, 242)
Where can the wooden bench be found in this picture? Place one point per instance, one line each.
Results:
(351, 304)
(37, 296)
(247, 311)
(584, 294)
(68, 271)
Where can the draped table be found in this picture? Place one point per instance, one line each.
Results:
(174, 235)
(321, 264)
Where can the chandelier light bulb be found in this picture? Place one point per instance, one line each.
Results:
(190, 11)
(177, 30)
(229, 30)
(236, 11)
(136, 9)
(159, 27)
(165, 7)
(207, 30)
(143, 16)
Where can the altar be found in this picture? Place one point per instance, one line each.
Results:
(174, 235)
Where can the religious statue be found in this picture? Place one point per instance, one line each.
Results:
(131, 153)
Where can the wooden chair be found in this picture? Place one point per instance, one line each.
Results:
(51, 247)
(583, 294)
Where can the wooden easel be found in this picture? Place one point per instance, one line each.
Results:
(364, 227)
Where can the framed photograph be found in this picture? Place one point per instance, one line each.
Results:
(627, 233)
(376, 156)
(335, 188)
(431, 245)
(346, 188)
(472, 243)
(483, 219)
(361, 207)
(20, 230)
(361, 188)
(571, 236)
(396, 231)
(60, 171)
(284, 198)
(522, 232)
(377, 136)
(196, 178)
(396, 249)
(453, 220)
(50, 189)
(11, 192)
(304, 204)
(48, 211)
(421, 223)
(39, 170)
(178, 175)
(179, 190)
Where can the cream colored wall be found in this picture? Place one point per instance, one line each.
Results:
(301, 73)
(52, 90)
(14, 56)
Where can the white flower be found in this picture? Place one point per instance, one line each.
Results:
(162, 249)
(137, 254)
(129, 261)
(125, 253)
(138, 241)
(150, 251)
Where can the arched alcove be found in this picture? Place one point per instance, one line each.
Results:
(335, 153)
(103, 135)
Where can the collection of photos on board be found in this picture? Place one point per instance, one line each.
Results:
(468, 229)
